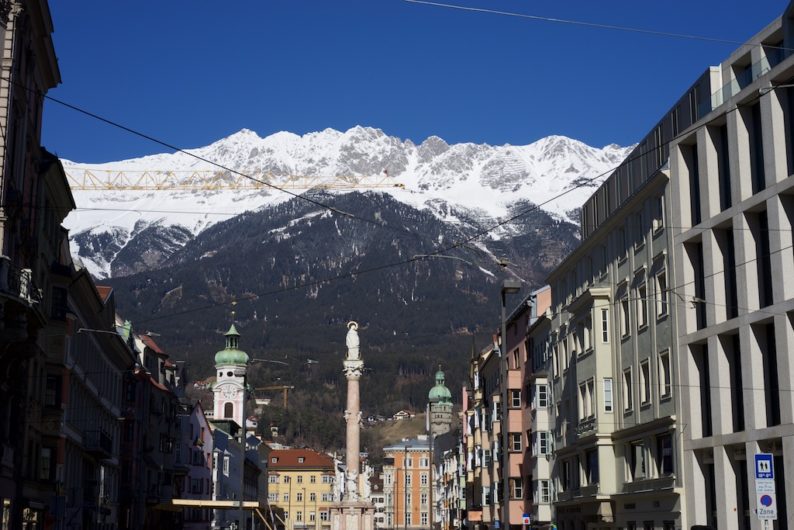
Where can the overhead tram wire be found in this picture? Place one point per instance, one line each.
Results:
(461, 243)
(186, 152)
(594, 25)
(478, 234)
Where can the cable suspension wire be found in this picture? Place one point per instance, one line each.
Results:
(595, 25)
(352, 274)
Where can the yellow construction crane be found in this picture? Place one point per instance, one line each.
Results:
(87, 179)
(283, 388)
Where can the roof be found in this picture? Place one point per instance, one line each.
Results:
(149, 343)
(413, 443)
(290, 459)
(104, 292)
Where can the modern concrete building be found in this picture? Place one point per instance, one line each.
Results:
(733, 206)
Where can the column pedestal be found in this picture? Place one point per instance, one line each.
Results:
(353, 515)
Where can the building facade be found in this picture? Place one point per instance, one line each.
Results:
(406, 483)
(733, 196)
(301, 483)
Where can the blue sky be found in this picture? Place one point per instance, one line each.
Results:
(191, 72)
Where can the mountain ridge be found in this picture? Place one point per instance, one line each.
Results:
(473, 180)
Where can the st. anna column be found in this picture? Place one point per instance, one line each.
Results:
(353, 513)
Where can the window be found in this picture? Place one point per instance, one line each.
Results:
(424, 519)
(628, 402)
(608, 399)
(408, 479)
(312, 517)
(423, 479)
(424, 462)
(313, 497)
(328, 479)
(45, 463)
(586, 392)
(544, 442)
(299, 515)
(515, 399)
(285, 497)
(605, 326)
(591, 399)
(226, 465)
(622, 247)
(423, 499)
(516, 488)
(661, 294)
(658, 213)
(409, 462)
(642, 306)
(286, 515)
(272, 497)
(324, 516)
(543, 396)
(645, 382)
(545, 491)
(592, 466)
(299, 496)
(272, 479)
(299, 479)
(587, 327)
(625, 322)
(408, 518)
(664, 455)
(515, 441)
(286, 480)
(665, 377)
(637, 460)
(228, 410)
(313, 479)
(301, 459)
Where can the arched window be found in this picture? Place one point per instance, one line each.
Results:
(228, 410)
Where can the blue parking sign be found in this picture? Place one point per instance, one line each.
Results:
(764, 466)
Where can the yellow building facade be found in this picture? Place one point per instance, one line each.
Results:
(301, 482)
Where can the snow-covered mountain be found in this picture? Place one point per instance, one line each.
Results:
(458, 183)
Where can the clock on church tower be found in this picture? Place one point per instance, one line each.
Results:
(230, 384)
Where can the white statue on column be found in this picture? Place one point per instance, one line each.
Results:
(353, 512)
(353, 353)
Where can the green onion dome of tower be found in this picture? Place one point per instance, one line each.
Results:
(231, 354)
(439, 393)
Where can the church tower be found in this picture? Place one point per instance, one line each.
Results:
(440, 400)
(230, 385)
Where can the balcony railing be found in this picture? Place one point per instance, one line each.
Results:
(99, 443)
(585, 426)
(18, 283)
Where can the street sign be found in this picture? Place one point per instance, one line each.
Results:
(525, 519)
(765, 494)
(767, 506)
(764, 466)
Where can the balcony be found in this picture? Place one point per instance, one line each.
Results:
(98, 443)
(649, 485)
(18, 283)
(586, 426)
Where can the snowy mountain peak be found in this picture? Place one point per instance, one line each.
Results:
(471, 179)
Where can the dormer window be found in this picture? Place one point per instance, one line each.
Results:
(273, 460)
(301, 459)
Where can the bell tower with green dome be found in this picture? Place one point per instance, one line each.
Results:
(230, 384)
(440, 401)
